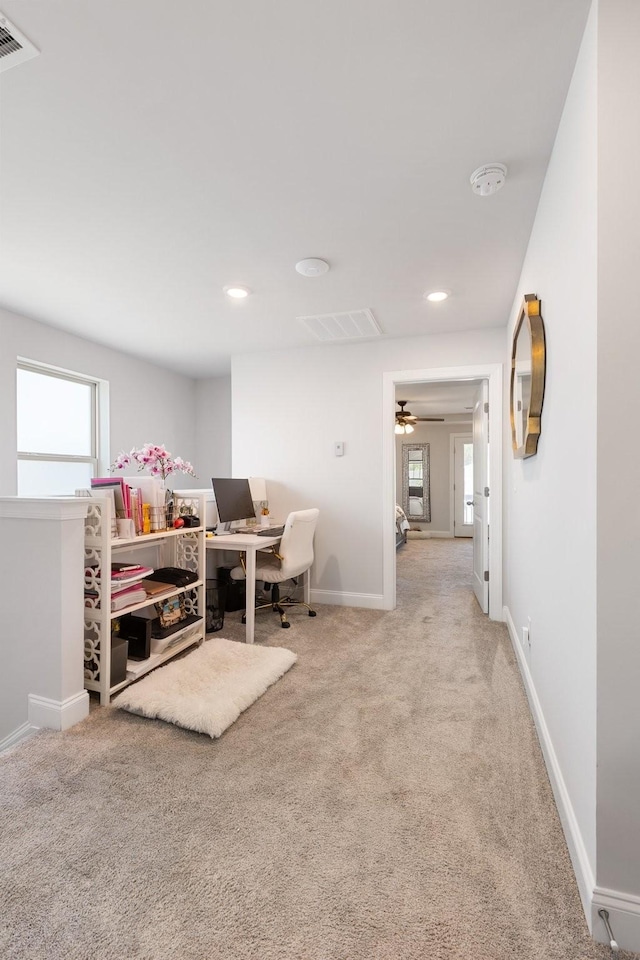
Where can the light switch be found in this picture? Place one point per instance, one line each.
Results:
(338, 448)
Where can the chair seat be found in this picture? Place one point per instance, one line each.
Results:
(268, 569)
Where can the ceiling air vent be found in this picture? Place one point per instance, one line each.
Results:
(14, 46)
(353, 325)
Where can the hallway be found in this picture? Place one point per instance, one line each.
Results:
(385, 800)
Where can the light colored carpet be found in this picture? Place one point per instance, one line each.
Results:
(385, 800)
(208, 689)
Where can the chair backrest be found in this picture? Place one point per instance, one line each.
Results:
(296, 545)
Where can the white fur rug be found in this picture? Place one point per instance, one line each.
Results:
(208, 689)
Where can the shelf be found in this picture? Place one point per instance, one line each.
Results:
(182, 547)
(145, 538)
(93, 613)
(143, 667)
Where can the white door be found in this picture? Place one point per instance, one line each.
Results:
(481, 497)
(463, 486)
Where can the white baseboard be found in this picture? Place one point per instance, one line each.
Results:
(22, 733)
(577, 850)
(58, 714)
(624, 917)
(429, 534)
(339, 598)
(624, 908)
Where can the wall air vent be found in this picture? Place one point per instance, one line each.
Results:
(14, 46)
(353, 325)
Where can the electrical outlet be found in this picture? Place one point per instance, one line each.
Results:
(525, 638)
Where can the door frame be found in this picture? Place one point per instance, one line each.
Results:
(493, 372)
(452, 496)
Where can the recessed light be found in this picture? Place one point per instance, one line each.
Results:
(236, 292)
(437, 295)
(312, 267)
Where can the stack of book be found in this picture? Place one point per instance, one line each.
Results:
(126, 585)
(127, 501)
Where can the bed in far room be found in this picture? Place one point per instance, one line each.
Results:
(402, 525)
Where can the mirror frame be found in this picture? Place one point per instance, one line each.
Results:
(530, 316)
(426, 482)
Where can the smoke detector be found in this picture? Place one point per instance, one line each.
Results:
(14, 46)
(312, 267)
(488, 179)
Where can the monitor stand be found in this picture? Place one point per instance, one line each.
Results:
(223, 528)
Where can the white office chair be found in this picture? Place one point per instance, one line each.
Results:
(292, 557)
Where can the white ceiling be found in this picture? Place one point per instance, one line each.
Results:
(155, 152)
(444, 398)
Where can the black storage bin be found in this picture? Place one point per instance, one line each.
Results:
(119, 653)
(137, 631)
(215, 604)
(235, 591)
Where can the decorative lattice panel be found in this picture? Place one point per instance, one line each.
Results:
(91, 650)
(191, 602)
(94, 521)
(187, 552)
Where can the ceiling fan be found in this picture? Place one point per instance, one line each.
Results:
(405, 420)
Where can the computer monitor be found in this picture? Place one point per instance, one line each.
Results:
(233, 499)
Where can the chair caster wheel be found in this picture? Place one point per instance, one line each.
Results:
(244, 618)
(285, 625)
(312, 613)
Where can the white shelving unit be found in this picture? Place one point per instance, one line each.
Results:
(172, 548)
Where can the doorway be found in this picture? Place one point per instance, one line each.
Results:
(493, 375)
(462, 487)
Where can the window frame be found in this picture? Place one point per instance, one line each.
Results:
(99, 458)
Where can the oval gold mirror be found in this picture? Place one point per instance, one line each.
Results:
(528, 366)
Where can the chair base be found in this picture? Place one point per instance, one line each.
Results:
(278, 604)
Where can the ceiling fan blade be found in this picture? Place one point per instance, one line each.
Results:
(430, 419)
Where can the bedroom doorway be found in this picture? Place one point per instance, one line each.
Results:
(396, 384)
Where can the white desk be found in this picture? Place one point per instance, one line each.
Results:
(248, 543)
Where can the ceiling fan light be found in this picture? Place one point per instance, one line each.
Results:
(399, 428)
(408, 428)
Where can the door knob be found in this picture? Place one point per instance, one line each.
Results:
(470, 503)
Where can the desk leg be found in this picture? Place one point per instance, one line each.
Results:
(250, 609)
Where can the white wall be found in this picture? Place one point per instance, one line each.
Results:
(618, 595)
(213, 429)
(572, 528)
(438, 436)
(288, 409)
(148, 404)
(550, 521)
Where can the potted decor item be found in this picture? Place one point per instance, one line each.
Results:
(159, 463)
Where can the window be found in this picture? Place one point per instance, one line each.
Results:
(58, 430)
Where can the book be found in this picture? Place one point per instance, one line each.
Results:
(102, 484)
(137, 667)
(126, 598)
(120, 567)
(121, 577)
(118, 588)
(155, 587)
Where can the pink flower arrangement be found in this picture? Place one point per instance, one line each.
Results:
(157, 460)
